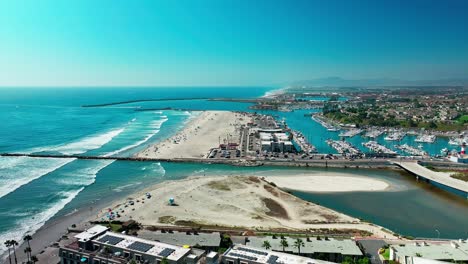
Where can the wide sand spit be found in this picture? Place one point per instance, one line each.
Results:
(328, 182)
(231, 201)
(200, 134)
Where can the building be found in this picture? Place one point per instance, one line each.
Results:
(330, 249)
(97, 245)
(207, 241)
(240, 254)
(276, 142)
(453, 251)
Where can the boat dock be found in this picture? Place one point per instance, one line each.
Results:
(328, 126)
(343, 147)
(351, 133)
(377, 148)
(411, 150)
(425, 138)
(373, 133)
(439, 179)
(303, 142)
(395, 136)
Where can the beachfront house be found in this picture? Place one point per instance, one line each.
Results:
(330, 249)
(240, 254)
(97, 245)
(449, 251)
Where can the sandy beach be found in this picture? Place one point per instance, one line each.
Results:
(231, 201)
(328, 182)
(200, 134)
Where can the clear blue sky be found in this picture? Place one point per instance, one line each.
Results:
(216, 42)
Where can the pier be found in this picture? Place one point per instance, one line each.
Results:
(438, 179)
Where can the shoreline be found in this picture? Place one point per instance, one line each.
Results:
(201, 134)
(147, 213)
(56, 227)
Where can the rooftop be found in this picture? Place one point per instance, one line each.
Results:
(455, 250)
(91, 233)
(266, 256)
(148, 247)
(183, 238)
(345, 247)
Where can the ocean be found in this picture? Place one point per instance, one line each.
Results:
(51, 120)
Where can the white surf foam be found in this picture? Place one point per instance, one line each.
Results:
(32, 224)
(82, 145)
(122, 187)
(275, 92)
(18, 171)
(84, 177)
(156, 125)
(88, 143)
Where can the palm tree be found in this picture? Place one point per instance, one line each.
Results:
(298, 244)
(34, 259)
(284, 243)
(28, 238)
(27, 250)
(8, 245)
(14, 244)
(266, 245)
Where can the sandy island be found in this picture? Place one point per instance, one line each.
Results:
(328, 182)
(201, 134)
(231, 201)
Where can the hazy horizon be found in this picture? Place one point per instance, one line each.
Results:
(219, 43)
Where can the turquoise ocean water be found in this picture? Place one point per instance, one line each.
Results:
(51, 120)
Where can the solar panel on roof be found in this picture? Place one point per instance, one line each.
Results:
(243, 256)
(139, 246)
(272, 259)
(110, 239)
(166, 252)
(258, 252)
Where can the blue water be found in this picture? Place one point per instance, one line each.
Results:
(51, 120)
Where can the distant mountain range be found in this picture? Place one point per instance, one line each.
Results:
(340, 82)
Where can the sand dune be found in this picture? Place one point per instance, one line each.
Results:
(232, 201)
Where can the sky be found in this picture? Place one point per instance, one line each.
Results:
(221, 42)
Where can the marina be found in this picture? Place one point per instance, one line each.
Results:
(458, 141)
(395, 136)
(332, 128)
(425, 138)
(374, 132)
(351, 133)
(411, 150)
(344, 148)
(377, 148)
(303, 143)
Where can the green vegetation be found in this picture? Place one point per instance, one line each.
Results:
(219, 185)
(266, 244)
(167, 219)
(115, 227)
(377, 116)
(460, 175)
(349, 260)
(386, 254)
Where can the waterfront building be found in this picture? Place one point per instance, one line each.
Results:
(450, 251)
(207, 241)
(240, 254)
(330, 249)
(97, 245)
